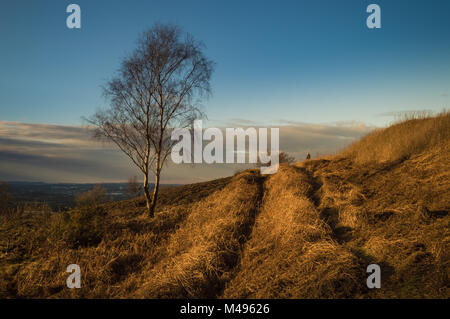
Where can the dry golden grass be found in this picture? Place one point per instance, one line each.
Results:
(390, 206)
(34, 258)
(206, 247)
(291, 253)
(308, 231)
(412, 135)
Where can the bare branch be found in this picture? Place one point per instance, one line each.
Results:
(154, 91)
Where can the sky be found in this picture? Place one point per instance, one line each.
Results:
(305, 66)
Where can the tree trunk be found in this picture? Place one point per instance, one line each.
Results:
(155, 195)
(147, 195)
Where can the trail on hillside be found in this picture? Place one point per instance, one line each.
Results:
(259, 237)
(294, 234)
(202, 254)
(292, 252)
(330, 199)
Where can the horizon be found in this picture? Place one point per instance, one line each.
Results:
(69, 183)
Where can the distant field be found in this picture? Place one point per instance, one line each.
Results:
(62, 195)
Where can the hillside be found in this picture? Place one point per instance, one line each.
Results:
(308, 231)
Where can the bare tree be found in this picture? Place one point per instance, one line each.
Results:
(158, 88)
(283, 158)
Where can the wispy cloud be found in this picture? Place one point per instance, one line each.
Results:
(236, 122)
(402, 113)
(57, 153)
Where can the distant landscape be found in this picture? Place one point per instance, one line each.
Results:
(61, 196)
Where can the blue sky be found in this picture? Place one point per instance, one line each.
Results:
(311, 67)
(308, 61)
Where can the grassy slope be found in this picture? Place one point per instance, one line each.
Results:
(308, 231)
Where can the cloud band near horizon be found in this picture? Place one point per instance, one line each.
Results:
(58, 153)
